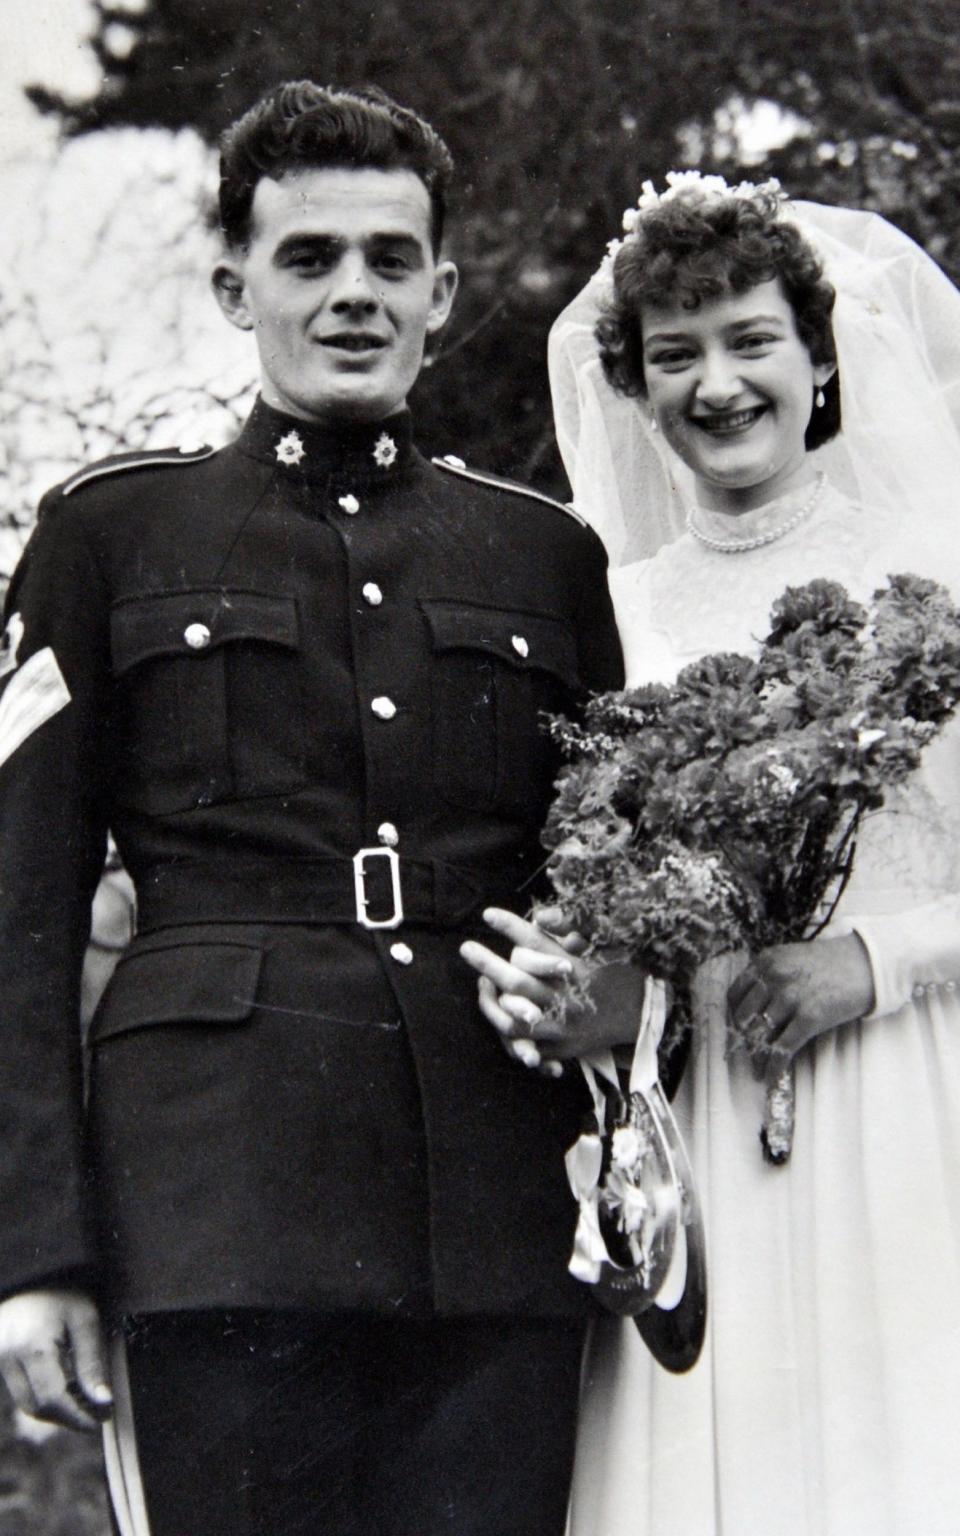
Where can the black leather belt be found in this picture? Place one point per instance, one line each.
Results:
(377, 888)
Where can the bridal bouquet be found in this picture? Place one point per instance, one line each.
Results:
(722, 812)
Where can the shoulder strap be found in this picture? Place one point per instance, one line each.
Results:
(120, 462)
(456, 466)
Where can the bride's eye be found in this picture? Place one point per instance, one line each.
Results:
(755, 341)
(672, 357)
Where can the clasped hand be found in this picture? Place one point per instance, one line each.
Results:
(791, 993)
(518, 995)
(784, 998)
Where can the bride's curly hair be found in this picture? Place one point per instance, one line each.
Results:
(689, 249)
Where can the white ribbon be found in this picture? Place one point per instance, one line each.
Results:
(584, 1159)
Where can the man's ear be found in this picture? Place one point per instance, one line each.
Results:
(445, 281)
(228, 287)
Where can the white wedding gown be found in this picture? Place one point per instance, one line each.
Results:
(827, 1397)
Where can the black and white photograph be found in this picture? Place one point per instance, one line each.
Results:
(479, 764)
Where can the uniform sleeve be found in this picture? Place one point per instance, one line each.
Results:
(912, 952)
(598, 643)
(54, 748)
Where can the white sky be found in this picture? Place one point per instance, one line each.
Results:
(43, 42)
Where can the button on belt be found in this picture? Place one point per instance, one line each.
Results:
(383, 707)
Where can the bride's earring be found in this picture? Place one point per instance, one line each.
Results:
(819, 399)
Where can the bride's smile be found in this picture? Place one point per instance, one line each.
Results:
(731, 386)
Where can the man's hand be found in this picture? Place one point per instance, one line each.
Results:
(52, 1357)
(798, 991)
(515, 993)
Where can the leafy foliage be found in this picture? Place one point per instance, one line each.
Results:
(555, 114)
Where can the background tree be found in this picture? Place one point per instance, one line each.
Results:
(555, 111)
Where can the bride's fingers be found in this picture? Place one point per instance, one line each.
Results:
(505, 977)
(740, 986)
(747, 998)
(520, 931)
(554, 920)
(523, 1050)
(489, 999)
(493, 1008)
(536, 963)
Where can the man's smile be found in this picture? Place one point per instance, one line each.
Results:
(354, 341)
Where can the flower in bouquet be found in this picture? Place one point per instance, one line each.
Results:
(722, 812)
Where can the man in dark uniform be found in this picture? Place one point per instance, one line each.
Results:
(301, 681)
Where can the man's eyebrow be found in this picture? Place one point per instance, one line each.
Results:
(312, 239)
(399, 238)
(309, 238)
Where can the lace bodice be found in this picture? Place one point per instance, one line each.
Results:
(689, 600)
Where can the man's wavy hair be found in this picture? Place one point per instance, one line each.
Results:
(302, 126)
(687, 251)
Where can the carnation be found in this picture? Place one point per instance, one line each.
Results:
(722, 813)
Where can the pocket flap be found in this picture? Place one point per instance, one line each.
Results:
(182, 984)
(192, 623)
(525, 640)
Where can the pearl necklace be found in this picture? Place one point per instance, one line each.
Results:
(737, 546)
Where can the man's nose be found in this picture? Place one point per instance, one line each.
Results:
(354, 290)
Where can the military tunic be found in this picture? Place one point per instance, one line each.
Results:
(251, 666)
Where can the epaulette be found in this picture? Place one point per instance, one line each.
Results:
(457, 467)
(123, 461)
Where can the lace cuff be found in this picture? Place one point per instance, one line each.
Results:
(911, 952)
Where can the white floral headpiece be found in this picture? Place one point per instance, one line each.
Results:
(693, 187)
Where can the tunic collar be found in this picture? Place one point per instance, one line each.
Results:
(362, 452)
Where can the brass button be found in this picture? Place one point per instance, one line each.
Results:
(383, 707)
(372, 594)
(350, 505)
(402, 953)
(388, 834)
(520, 645)
(197, 636)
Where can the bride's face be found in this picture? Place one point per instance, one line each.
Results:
(731, 386)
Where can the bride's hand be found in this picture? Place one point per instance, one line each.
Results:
(798, 991)
(515, 994)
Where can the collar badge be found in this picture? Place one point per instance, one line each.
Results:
(384, 451)
(290, 449)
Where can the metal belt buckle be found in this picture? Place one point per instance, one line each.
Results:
(360, 887)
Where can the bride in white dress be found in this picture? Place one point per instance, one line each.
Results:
(824, 1401)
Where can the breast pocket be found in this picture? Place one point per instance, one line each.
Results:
(211, 697)
(497, 674)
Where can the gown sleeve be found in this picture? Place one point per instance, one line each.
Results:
(911, 952)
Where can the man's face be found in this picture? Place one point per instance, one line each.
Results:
(341, 289)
